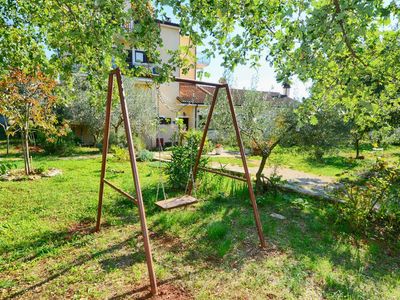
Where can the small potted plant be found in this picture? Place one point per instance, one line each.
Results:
(218, 149)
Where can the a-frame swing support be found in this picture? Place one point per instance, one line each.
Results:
(139, 199)
(247, 176)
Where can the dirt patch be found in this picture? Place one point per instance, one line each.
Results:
(84, 227)
(168, 242)
(169, 291)
(166, 291)
(19, 174)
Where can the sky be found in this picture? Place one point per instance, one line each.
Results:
(243, 76)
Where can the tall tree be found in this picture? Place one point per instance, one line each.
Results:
(28, 103)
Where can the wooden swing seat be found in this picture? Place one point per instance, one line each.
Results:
(176, 202)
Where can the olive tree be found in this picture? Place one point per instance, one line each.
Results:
(322, 131)
(264, 122)
(142, 112)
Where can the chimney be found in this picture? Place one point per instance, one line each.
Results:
(286, 89)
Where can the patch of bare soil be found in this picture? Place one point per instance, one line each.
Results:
(166, 291)
(19, 174)
(84, 227)
(168, 242)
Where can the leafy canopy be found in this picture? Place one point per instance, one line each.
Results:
(63, 37)
(350, 50)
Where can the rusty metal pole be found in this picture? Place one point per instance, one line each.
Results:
(135, 174)
(246, 169)
(203, 140)
(105, 148)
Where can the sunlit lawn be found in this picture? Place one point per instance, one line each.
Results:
(210, 249)
(337, 164)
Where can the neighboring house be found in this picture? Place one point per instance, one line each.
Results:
(170, 108)
(176, 100)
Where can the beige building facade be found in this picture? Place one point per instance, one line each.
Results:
(168, 95)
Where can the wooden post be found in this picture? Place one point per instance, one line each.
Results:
(242, 154)
(135, 173)
(203, 140)
(246, 170)
(106, 138)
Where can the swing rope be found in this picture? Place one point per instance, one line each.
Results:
(160, 184)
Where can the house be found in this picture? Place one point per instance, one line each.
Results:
(168, 95)
(175, 100)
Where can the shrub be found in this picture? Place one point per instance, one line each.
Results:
(5, 167)
(373, 202)
(61, 145)
(183, 160)
(120, 154)
(144, 155)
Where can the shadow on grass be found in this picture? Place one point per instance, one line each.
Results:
(223, 235)
(334, 161)
(165, 288)
(77, 262)
(49, 241)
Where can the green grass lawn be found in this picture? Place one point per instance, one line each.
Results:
(210, 250)
(338, 164)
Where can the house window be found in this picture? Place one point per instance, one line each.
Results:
(129, 58)
(164, 120)
(140, 57)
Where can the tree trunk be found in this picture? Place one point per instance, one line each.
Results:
(357, 146)
(259, 174)
(25, 142)
(8, 144)
(25, 149)
(116, 129)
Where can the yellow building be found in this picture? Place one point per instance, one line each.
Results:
(170, 95)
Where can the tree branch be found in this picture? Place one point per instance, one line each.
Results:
(346, 39)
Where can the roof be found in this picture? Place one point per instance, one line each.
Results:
(169, 23)
(199, 95)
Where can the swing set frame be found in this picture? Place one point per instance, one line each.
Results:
(138, 201)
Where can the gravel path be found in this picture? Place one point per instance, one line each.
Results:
(305, 183)
(298, 181)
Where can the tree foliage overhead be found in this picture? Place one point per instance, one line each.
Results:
(69, 35)
(350, 50)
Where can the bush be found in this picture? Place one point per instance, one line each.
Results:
(373, 202)
(144, 155)
(120, 154)
(183, 160)
(5, 167)
(61, 145)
